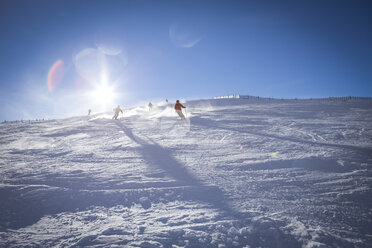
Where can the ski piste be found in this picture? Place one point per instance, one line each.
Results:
(236, 173)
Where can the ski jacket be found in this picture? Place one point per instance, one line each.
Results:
(178, 106)
(117, 110)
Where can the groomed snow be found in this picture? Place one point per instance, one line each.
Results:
(236, 173)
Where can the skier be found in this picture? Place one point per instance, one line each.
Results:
(89, 111)
(178, 107)
(117, 111)
(150, 106)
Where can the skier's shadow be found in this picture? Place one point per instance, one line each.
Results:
(203, 122)
(158, 156)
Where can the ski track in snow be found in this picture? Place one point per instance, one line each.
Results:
(236, 173)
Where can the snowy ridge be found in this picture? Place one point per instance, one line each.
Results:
(237, 173)
(331, 98)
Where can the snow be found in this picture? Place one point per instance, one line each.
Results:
(236, 173)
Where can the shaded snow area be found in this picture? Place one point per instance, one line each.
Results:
(236, 173)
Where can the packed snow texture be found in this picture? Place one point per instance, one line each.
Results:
(236, 173)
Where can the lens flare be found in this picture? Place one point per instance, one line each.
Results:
(108, 41)
(90, 62)
(55, 75)
(185, 35)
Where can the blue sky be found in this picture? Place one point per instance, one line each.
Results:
(131, 52)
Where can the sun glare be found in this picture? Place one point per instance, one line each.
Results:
(102, 69)
(103, 96)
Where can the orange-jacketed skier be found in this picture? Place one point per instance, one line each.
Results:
(117, 111)
(178, 107)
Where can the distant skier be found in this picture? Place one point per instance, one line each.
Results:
(117, 111)
(89, 111)
(178, 107)
(150, 106)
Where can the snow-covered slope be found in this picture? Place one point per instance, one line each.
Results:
(237, 173)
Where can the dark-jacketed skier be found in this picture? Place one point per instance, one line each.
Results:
(178, 107)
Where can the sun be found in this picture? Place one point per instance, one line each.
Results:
(103, 96)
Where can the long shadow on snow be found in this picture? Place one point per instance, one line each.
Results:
(24, 204)
(158, 156)
(364, 152)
